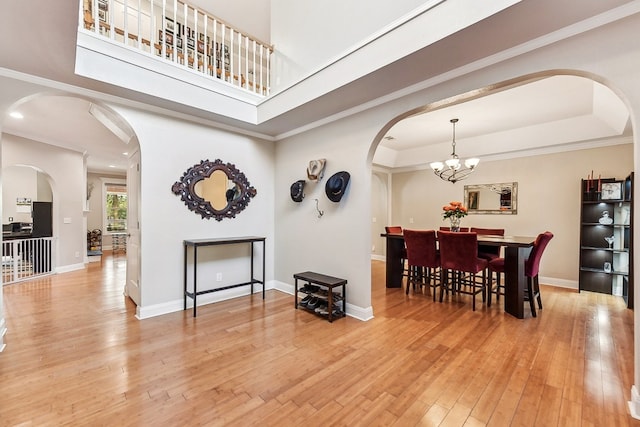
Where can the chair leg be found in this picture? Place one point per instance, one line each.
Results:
(536, 289)
(473, 281)
(444, 281)
(532, 302)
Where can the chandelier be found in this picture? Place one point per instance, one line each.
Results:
(452, 170)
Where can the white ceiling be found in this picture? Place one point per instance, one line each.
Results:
(556, 112)
(65, 122)
(564, 111)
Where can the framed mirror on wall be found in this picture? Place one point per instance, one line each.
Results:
(214, 189)
(499, 198)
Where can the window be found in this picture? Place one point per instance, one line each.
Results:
(115, 207)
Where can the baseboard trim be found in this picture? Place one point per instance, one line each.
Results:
(3, 331)
(560, 283)
(68, 268)
(634, 403)
(178, 305)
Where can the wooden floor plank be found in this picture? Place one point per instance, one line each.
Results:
(76, 355)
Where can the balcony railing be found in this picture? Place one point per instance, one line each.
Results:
(185, 36)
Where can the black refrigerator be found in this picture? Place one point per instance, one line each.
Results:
(41, 216)
(42, 227)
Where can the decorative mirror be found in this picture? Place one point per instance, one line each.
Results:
(500, 198)
(214, 189)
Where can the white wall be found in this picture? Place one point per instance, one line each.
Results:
(65, 170)
(548, 199)
(380, 204)
(295, 26)
(168, 148)
(18, 182)
(22, 182)
(341, 240)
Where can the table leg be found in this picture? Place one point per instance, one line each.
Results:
(296, 293)
(394, 262)
(515, 280)
(195, 278)
(264, 279)
(185, 277)
(252, 277)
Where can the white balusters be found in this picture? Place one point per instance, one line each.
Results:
(184, 35)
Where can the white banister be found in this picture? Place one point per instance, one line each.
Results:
(181, 34)
(26, 258)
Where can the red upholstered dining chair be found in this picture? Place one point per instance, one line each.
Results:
(462, 229)
(396, 229)
(423, 259)
(488, 252)
(459, 254)
(531, 269)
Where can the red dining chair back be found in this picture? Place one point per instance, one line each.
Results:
(459, 254)
(532, 266)
(396, 229)
(423, 258)
(462, 229)
(488, 252)
(531, 270)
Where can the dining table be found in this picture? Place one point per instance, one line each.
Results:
(516, 252)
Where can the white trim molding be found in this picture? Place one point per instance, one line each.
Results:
(634, 403)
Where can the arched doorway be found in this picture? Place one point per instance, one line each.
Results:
(581, 125)
(77, 142)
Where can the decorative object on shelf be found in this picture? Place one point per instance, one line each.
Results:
(337, 185)
(607, 267)
(611, 190)
(610, 241)
(320, 213)
(605, 218)
(204, 188)
(451, 170)
(315, 170)
(454, 212)
(592, 188)
(297, 190)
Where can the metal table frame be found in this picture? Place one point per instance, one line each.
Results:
(196, 243)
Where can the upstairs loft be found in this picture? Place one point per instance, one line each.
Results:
(178, 31)
(184, 48)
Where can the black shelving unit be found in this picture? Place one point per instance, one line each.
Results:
(606, 266)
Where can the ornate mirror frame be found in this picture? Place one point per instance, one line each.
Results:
(474, 202)
(185, 188)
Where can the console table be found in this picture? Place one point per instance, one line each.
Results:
(197, 243)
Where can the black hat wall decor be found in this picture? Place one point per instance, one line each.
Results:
(297, 191)
(315, 170)
(337, 185)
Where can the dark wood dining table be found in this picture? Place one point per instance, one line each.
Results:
(517, 249)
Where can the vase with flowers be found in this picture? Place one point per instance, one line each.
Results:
(454, 211)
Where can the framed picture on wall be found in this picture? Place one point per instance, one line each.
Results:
(474, 197)
(611, 190)
(169, 25)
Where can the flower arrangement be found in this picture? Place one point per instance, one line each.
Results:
(454, 209)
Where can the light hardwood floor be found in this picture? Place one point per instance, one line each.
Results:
(76, 355)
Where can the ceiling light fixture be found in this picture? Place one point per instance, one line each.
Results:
(452, 170)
